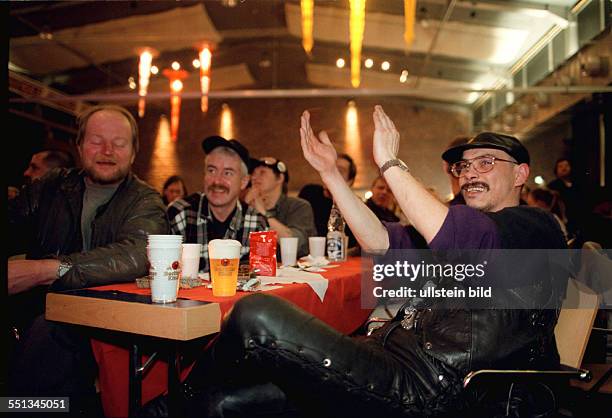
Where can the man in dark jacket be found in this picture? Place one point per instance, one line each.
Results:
(270, 353)
(83, 228)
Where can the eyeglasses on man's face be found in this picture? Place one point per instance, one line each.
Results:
(481, 165)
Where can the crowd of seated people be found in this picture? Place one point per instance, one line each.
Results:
(70, 217)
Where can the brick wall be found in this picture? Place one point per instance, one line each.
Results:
(270, 127)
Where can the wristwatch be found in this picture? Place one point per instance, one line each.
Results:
(63, 268)
(393, 163)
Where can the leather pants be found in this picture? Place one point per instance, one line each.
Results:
(271, 352)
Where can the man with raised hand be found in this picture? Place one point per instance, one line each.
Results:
(271, 354)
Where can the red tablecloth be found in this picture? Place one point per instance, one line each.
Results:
(341, 309)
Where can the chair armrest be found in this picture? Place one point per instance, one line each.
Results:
(604, 330)
(564, 372)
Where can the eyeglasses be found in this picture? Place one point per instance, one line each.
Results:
(481, 165)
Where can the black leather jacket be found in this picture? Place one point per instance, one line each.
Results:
(503, 338)
(48, 213)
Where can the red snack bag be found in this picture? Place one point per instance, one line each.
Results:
(262, 255)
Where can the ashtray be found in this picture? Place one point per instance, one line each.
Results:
(190, 282)
(186, 283)
(245, 272)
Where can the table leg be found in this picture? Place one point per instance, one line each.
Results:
(135, 380)
(174, 380)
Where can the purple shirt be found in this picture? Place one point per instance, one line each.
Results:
(463, 228)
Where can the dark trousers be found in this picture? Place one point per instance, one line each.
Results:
(277, 350)
(53, 359)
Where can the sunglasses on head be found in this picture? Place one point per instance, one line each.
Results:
(274, 164)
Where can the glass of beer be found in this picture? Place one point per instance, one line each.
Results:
(224, 256)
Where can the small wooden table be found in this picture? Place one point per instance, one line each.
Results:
(136, 315)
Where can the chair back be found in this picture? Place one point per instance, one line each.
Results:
(575, 322)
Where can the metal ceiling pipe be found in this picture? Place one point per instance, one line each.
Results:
(298, 93)
(434, 41)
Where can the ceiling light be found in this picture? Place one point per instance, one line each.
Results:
(404, 76)
(367, 194)
(176, 66)
(176, 86)
(307, 8)
(385, 66)
(409, 18)
(154, 69)
(356, 29)
(205, 60)
(144, 73)
(538, 180)
(369, 63)
(196, 63)
(340, 63)
(132, 84)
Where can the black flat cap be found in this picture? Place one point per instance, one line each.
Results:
(212, 142)
(507, 143)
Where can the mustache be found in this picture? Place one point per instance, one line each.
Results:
(474, 183)
(218, 188)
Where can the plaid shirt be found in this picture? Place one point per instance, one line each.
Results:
(190, 216)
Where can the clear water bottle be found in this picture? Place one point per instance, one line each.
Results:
(336, 238)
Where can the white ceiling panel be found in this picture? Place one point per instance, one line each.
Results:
(114, 40)
(485, 43)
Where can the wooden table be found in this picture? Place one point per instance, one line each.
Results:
(136, 315)
(128, 309)
(123, 311)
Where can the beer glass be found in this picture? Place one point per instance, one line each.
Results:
(224, 257)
